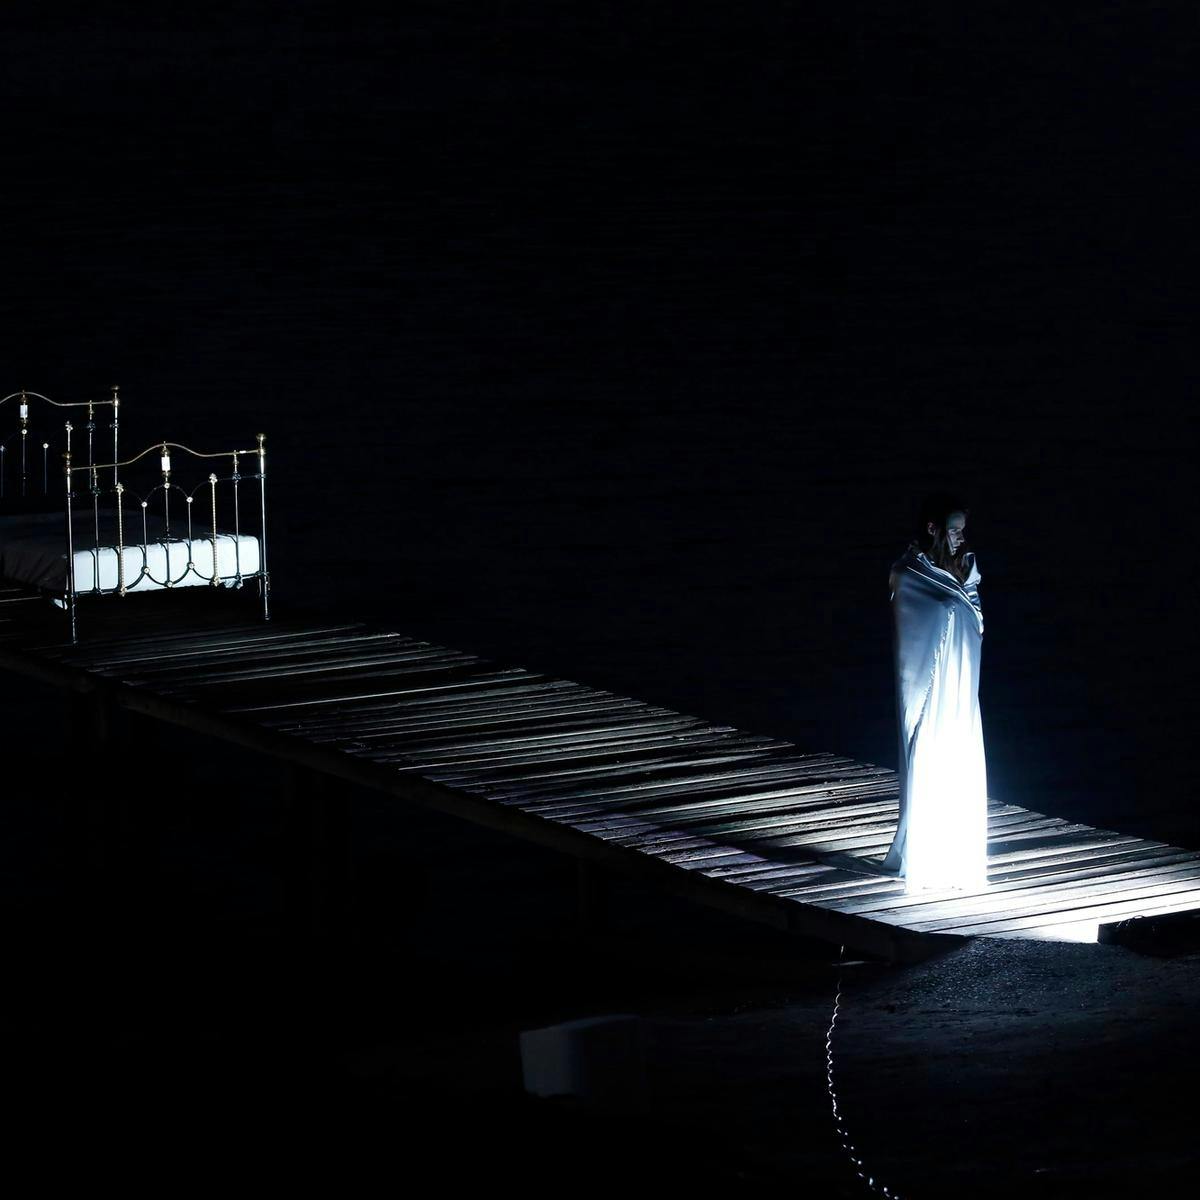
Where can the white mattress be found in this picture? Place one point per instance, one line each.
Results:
(33, 550)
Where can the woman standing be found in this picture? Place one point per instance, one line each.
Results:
(937, 622)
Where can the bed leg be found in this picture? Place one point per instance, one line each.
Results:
(264, 591)
(316, 856)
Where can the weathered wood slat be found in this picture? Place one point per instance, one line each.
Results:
(765, 830)
(1002, 904)
(1129, 905)
(349, 697)
(311, 681)
(623, 753)
(152, 661)
(710, 810)
(830, 885)
(501, 743)
(1046, 884)
(515, 698)
(874, 843)
(309, 668)
(148, 663)
(693, 786)
(97, 648)
(798, 764)
(660, 762)
(762, 821)
(547, 718)
(736, 793)
(519, 690)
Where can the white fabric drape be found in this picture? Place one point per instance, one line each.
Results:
(941, 838)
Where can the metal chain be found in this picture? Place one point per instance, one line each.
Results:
(120, 489)
(212, 483)
(870, 1181)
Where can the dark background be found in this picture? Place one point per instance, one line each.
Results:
(620, 341)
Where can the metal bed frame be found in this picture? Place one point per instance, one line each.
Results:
(24, 430)
(92, 479)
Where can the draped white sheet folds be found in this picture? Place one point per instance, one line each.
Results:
(937, 622)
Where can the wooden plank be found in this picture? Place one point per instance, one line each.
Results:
(469, 713)
(759, 829)
(765, 826)
(475, 716)
(549, 717)
(1039, 888)
(497, 737)
(614, 764)
(623, 754)
(620, 793)
(1177, 897)
(872, 829)
(1047, 901)
(147, 660)
(787, 787)
(250, 677)
(512, 697)
(693, 786)
(94, 650)
(833, 886)
(154, 660)
(313, 683)
(344, 697)
(1095, 841)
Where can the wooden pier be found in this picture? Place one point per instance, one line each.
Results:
(742, 823)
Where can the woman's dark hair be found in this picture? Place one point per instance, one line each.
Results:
(937, 508)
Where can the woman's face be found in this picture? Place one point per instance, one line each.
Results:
(956, 524)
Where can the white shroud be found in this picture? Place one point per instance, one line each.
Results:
(941, 839)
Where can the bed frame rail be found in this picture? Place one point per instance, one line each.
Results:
(193, 522)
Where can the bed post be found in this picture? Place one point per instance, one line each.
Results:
(116, 425)
(70, 597)
(264, 582)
